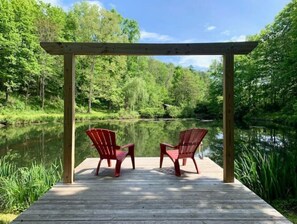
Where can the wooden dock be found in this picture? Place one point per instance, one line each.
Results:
(150, 195)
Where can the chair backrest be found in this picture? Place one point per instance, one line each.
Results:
(104, 141)
(189, 140)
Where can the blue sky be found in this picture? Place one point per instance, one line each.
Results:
(180, 21)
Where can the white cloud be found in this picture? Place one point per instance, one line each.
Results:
(197, 60)
(97, 3)
(210, 28)
(226, 32)
(144, 35)
(53, 2)
(238, 38)
(66, 7)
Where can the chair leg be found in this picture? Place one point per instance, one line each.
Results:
(117, 171)
(177, 169)
(161, 159)
(98, 167)
(195, 165)
(184, 162)
(131, 153)
(162, 151)
(109, 162)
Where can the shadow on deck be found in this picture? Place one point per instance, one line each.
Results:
(150, 195)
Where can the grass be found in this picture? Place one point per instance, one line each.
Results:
(287, 207)
(28, 117)
(7, 218)
(20, 187)
(266, 173)
(272, 176)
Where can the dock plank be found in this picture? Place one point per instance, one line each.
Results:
(149, 194)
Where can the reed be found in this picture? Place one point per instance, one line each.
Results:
(20, 187)
(270, 174)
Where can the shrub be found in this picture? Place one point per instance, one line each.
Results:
(174, 111)
(188, 112)
(54, 104)
(152, 113)
(267, 172)
(124, 114)
(20, 187)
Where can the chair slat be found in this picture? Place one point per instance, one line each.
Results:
(189, 141)
(105, 142)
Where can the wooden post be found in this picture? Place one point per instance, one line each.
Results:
(70, 49)
(228, 118)
(69, 117)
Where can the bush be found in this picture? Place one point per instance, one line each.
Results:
(288, 207)
(20, 187)
(188, 112)
(95, 116)
(266, 173)
(124, 114)
(152, 113)
(174, 111)
(55, 104)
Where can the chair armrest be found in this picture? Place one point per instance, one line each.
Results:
(163, 147)
(167, 145)
(127, 145)
(130, 147)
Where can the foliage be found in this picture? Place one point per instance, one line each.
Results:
(174, 111)
(125, 114)
(20, 187)
(287, 207)
(266, 172)
(265, 79)
(7, 218)
(113, 83)
(135, 93)
(152, 113)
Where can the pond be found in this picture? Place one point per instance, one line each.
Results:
(44, 143)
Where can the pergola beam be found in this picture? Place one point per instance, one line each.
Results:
(59, 48)
(69, 50)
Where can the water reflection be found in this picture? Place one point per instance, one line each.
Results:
(44, 143)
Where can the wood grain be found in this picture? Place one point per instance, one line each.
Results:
(149, 194)
(61, 48)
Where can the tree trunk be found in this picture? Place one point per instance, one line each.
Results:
(91, 84)
(27, 96)
(42, 95)
(6, 96)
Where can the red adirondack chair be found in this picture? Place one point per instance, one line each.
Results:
(189, 141)
(105, 142)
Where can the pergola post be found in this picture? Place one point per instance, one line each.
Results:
(228, 50)
(69, 117)
(228, 117)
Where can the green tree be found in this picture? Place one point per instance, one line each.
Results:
(130, 29)
(135, 94)
(84, 19)
(187, 88)
(10, 40)
(25, 12)
(50, 27)
(215, 91)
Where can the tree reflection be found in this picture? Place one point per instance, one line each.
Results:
(44, 143)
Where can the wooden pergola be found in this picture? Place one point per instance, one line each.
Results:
(227, 49)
